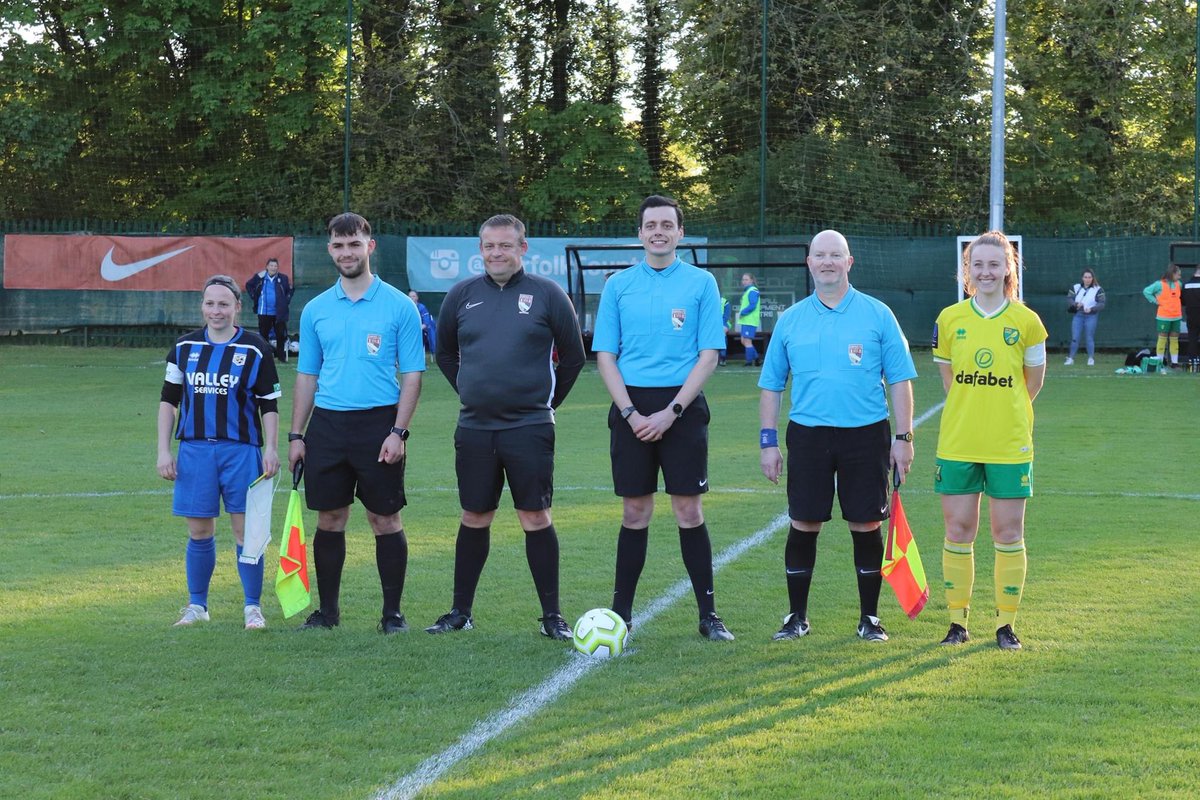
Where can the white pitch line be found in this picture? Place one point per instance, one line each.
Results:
(531, 701)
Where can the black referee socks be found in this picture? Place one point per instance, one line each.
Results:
(329, 554)
(868, 555)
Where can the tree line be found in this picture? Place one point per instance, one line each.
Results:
(572, 110)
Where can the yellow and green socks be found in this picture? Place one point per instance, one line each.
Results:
(958, 568)
(1010, 581)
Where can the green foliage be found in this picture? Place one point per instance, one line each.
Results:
(249, 111)
(105, 699)
(178, 110)
(600, 173)
(1103, 111)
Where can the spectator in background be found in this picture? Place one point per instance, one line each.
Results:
(749, 316)
(1191, 306)
(1165, 293)
(1086, 302)
(428, 326)
(272, 292)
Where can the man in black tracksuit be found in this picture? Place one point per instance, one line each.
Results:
(1191, 310)
(497, 340)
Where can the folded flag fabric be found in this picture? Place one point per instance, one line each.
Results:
(902, 567)
(291, 581)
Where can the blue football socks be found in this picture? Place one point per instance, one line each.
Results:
(199, 562)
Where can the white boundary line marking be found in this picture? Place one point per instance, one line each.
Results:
(532, 700)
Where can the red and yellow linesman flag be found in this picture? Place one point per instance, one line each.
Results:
(291, 581)
(902, 567)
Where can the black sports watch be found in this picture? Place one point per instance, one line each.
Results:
(627, 412)
(295, 437)
(678, 409)
(904, 437)
(402, 433)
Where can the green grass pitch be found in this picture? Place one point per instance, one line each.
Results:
(101, 698)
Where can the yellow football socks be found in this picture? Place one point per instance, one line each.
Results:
(958, 568)
(1010, 581)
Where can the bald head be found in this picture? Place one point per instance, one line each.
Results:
(829, 262)
(829, 239)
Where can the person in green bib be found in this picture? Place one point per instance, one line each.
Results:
(750, 317)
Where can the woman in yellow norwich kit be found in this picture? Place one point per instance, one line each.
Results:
(991, 350)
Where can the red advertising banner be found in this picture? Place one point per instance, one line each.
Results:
(136, 263)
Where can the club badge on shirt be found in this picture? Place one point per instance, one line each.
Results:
(855, 352)
(1011, 336)
(678, 317)
(239, 359)
(524, 303)
(373, 342)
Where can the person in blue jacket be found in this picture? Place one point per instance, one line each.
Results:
(271, 292)
(428, 325)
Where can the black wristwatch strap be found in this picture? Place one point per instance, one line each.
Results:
(295, 437)
(402, 433)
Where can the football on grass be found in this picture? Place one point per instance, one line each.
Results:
(601, 633)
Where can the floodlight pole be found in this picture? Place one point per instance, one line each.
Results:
(346, 123)
(996, 218)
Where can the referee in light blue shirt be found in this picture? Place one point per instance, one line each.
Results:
(840, 347)
(357, 335)
(658, 331)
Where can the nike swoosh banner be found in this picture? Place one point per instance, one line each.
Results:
(136, 263)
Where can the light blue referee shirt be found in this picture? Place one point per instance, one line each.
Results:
(656, 322)
(839, 358)
(355, 348)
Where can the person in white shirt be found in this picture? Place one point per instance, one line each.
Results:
(1085, 301)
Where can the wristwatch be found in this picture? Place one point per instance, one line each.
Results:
(627, 412)
(402, 433)
(678, 409)
(904, 437)
(295, 437)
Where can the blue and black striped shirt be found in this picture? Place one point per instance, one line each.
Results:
(220, 386)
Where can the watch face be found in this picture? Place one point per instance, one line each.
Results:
(678, 409)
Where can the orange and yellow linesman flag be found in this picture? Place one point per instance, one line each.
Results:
(291, 581)
(902, 567)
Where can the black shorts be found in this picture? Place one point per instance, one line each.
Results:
(682, 454)
(859, 457)
(342, 461)
(525, 455)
